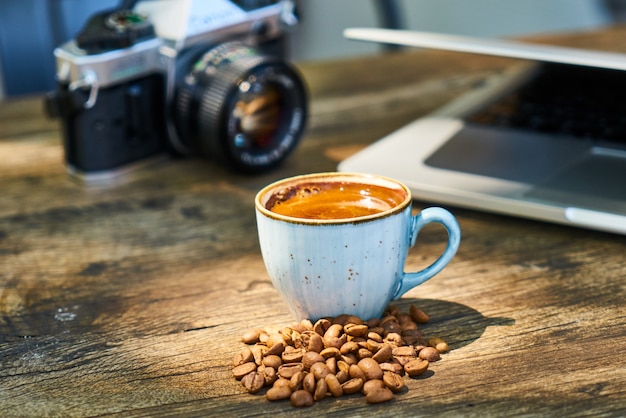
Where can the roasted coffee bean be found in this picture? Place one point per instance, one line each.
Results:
(392, 327)
(361, 341)
(342, 376)
(251, 337)
(335, 342)
(302, 339)
(354, 320)
(307, 324)
(310, 358)
(379, 396)
(306, 336)
(277, 393)
(341, 319)
(350, 358)
(416, 367)
(274, 339)
(289, 369)
(316, 343)
(334, 387)
(349, 347)
(411, 333)
(321, 326)
(405, 351)
(243, 369)
(309, 383)
(276, 349)
(330, 352)
(356, 330)
(301, 398)
(411, 340)
(439, 344)
(375, 336)
(383, 354)
(394, 339)
(374, 345)
(419, 347)
(245, 356)
(352, 386)
(429, 353)
(269, 374)
(258, 351)
(295, 383)
(272, 361)
(321, 389)
(402, 360)
(287, 334)
(418, 315)
(407, 326)
(370, 368)
(334, 331)
(331, 363)
(281, 381)
(356, 372)
(389, 322)
(253, 382)
(263, 337)
(372, 322)
(404, 318)
(343, 366)
(292, 356)
(392, 366)
(412, 336)
(388, 319)
(320, 370)
(364, 353)
(299, 341)
(371, 385)
(393, 381)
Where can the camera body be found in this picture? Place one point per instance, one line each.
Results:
(194, 78)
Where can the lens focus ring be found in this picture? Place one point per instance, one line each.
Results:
(241, 108)
(214, 106)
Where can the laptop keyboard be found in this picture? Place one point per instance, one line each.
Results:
(562, 99)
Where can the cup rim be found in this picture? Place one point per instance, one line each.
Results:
(260, 204)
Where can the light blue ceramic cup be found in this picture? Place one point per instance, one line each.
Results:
(354, 266)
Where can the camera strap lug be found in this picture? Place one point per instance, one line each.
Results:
(288, 14)
(90, 81)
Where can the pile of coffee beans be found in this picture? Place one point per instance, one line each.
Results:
(306, 362)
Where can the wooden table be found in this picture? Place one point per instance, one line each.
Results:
(130, 300)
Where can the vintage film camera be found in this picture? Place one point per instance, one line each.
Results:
(192, 77)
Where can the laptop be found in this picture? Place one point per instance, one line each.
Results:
(544, 140)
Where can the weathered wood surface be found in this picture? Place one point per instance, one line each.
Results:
(130, 300)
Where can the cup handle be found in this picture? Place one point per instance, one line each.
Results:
(426, 216)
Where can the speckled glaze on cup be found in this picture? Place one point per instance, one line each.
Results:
(346, 266)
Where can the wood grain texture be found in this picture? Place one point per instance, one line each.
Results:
(130, 300)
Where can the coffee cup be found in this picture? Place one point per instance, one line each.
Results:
(336, 243)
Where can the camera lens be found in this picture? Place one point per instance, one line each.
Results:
(239, 107)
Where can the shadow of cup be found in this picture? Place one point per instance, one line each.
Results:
(457, 324)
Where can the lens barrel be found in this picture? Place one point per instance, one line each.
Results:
(238, 107)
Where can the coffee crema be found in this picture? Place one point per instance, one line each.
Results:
(334, 200)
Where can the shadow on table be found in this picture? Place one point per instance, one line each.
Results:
(459, 325)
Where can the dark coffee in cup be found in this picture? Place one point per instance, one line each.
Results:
(334, 200)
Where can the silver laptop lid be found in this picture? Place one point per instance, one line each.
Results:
(497, 47)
